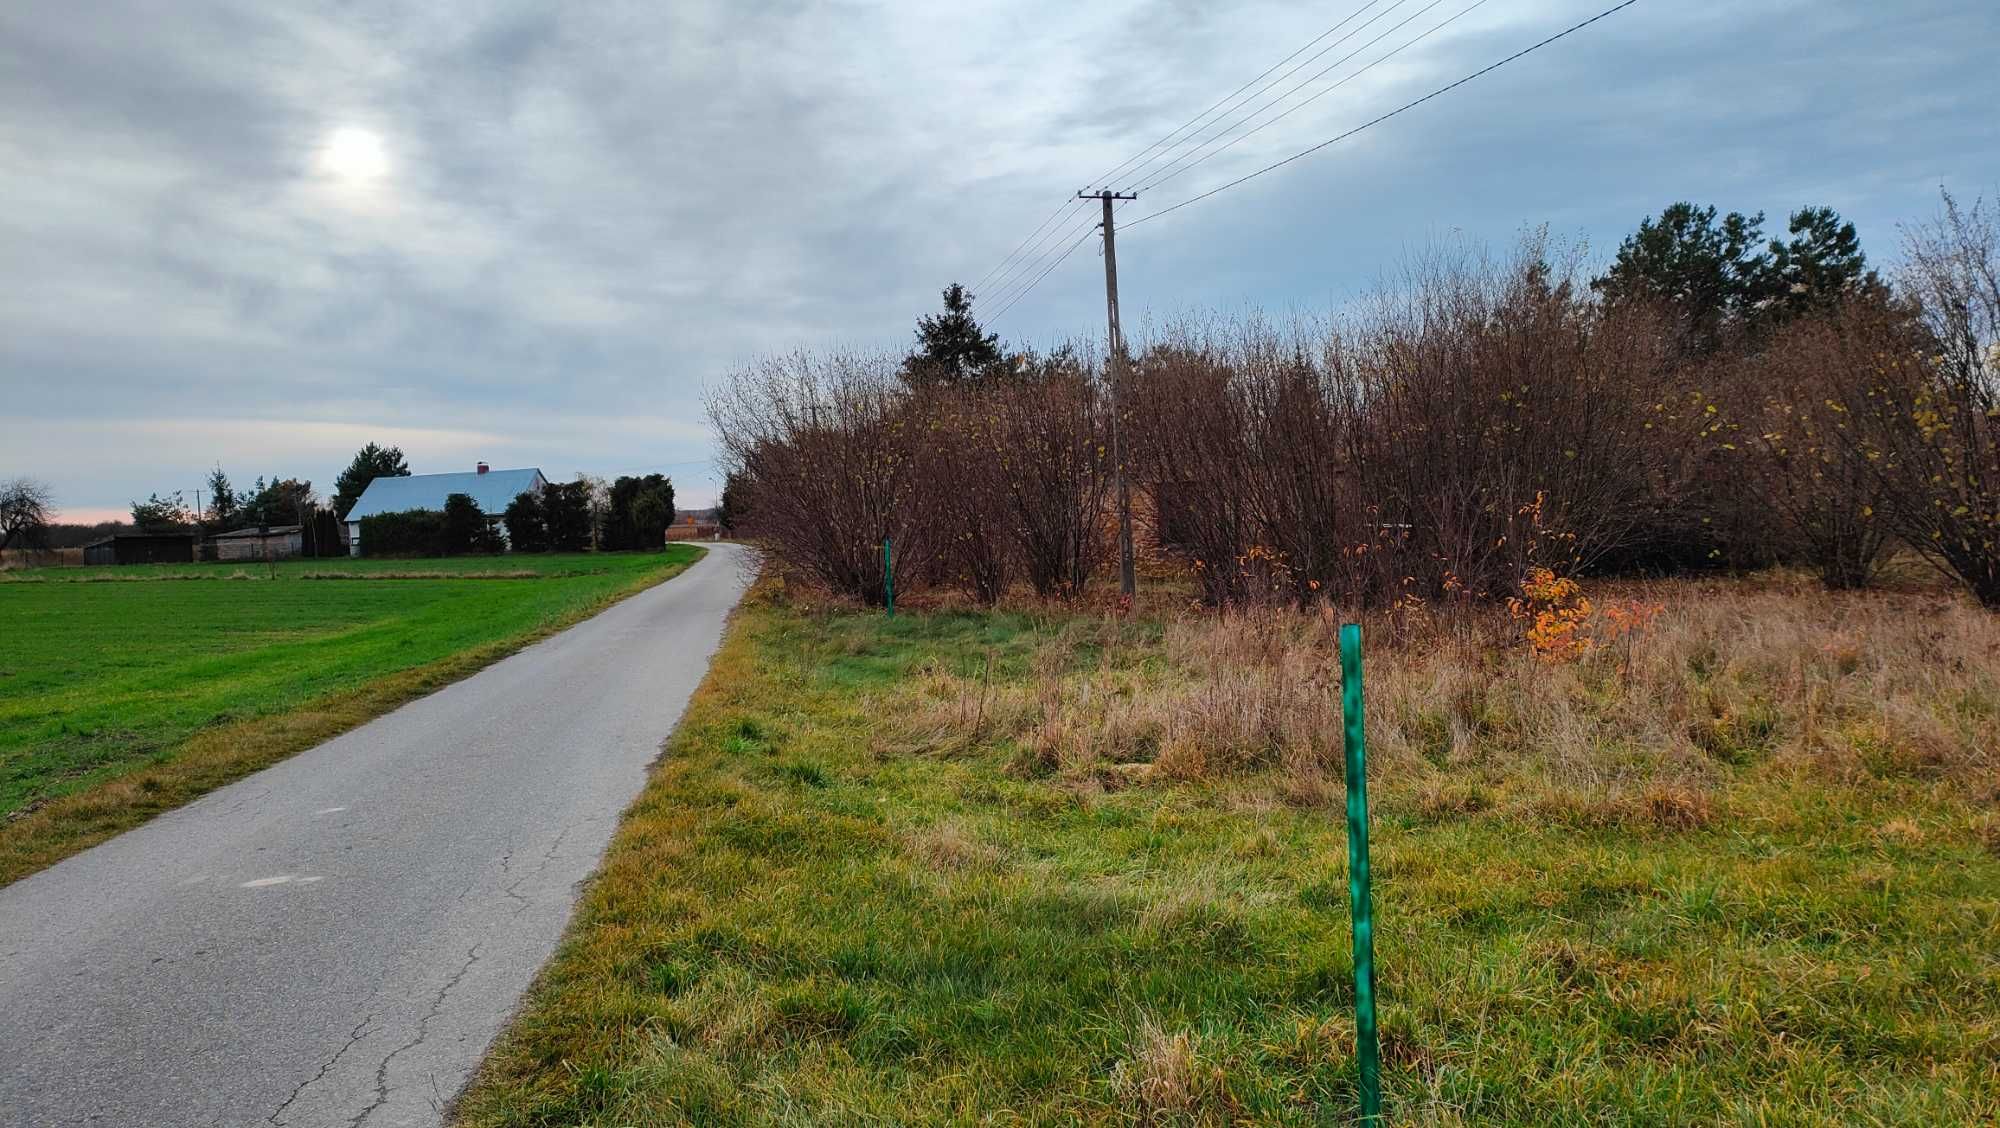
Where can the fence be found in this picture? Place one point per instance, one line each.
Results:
(41, 558)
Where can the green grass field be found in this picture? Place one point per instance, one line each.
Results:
(105, 674)
(510, 566)
(1042, 868)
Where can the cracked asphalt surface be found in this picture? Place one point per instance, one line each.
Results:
(336, 939)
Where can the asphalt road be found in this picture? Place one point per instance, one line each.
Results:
(335, 940)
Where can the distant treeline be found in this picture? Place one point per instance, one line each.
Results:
(63, 535)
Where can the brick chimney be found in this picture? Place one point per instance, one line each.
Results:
(483, 468)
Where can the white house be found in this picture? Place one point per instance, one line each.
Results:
(494, 490)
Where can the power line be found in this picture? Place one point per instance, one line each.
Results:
(1011, 277)
(1024, 242)
(1104, 177)
(1404, 108)
(1171, 173)
(1070, 250)
(1028, 267)
(1024, 268)
(1025, 276)
(1061, 249)
(1212, 136)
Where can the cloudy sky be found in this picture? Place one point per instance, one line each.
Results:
(260, 234)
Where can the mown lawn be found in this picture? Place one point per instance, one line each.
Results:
(990, 869)
(194, 677)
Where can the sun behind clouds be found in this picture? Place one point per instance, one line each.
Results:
(354, 155)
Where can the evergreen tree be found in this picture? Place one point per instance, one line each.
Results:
(952, 346)
(1820, 266)
(566, 511)
(733, 506)
(1707, 273)
(638, 513)
(285, 501)
(370, 462)
(159, 514)
(223, 510)
(465, 528)
(527, 523)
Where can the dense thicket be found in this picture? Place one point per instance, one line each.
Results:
(412, 532)
(1478, 420)
(637, 512)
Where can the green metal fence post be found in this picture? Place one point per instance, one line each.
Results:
(888, 577)
(1366, 1047)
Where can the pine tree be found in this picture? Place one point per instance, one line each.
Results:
(223, 510)
(1820, 266)
(370, 462)
(1707, 273)
(952, 346)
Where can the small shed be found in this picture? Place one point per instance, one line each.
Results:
(260, 542)
(141, 548)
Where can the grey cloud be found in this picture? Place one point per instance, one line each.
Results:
(594, 210)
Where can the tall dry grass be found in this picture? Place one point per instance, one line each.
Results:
(1780, 677)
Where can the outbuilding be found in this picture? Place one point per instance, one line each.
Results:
(141, 548)
(266, 542)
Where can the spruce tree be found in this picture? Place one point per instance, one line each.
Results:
(370, 462)
(952, 346)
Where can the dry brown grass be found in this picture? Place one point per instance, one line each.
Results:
(1165, 1082)
(950, 847)
(1464, 718)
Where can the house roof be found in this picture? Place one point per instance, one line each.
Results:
(493, 490)
(258, 531)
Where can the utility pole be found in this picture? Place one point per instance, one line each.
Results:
(1127, 569)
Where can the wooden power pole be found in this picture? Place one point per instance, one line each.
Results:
(1128, 582)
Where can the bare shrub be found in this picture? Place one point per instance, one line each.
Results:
(1794, 438)
(1480, 418)
(1053, 453)
(1510, 420)
(960, 457)
(827, 448)
(1190, 441)
(1928, 418)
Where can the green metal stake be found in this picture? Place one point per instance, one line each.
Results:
(1366, 1046)
(888, 577)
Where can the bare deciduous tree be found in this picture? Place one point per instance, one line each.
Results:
(26, 509)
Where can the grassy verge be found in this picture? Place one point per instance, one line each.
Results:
(1040, 868)
(122, 700)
